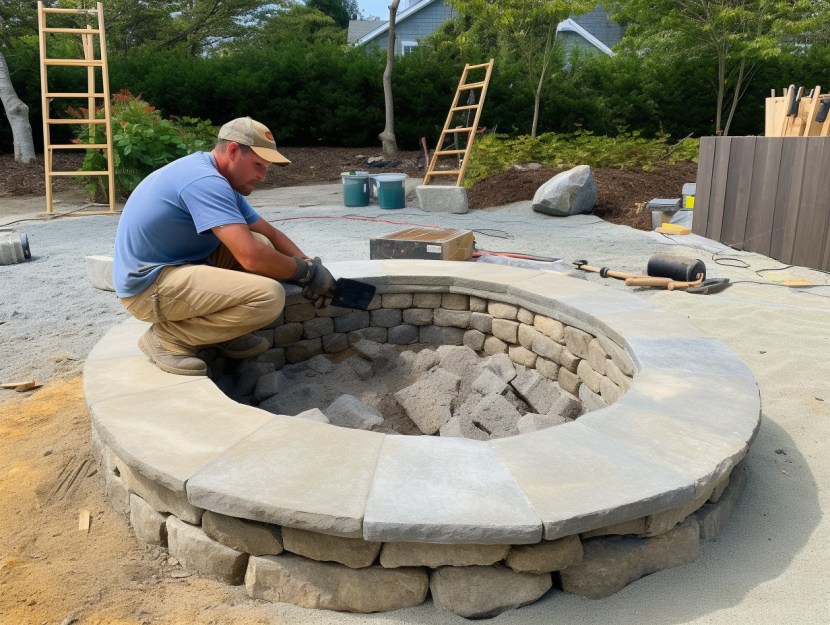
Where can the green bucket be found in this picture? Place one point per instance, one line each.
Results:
(355, 189)
(391, 190)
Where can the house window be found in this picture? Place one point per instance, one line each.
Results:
(408, 47)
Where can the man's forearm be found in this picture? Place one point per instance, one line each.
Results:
(279, 240)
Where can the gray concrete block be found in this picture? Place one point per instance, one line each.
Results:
(569, 382)
(418, 316)
(597, 356)
(452, 318)
(288, 334)
(350, 323)
(271, 384)
(317, 327)
(436, 503)
(257, 539)
(609, 391)
(501, 310)
(488, 383)
(461, 426)
(396, 300)
(434, 555)
(550, 327)
(714, 516)
(386, 317)
(602, 483)
(426, 300)
(546, 556)
(613, 373)
(501, 365)
(455, 301)
(527, 335)
(591, 400)
(199, 554)
(382, 356)
(298, 313)
(589, 377)
(525, 316)
(537, 391)
(347, 411)
(474, 340)
(494, 346)
(506, 330)
(496, 415)
(99, 272)
(547, 368)
(442, 199)
(328, 586)
(690, 355)
(333, 343)
(427, 402)
(303, 350)
(567, 406)
(577, 341)
(438, 335)
(568, 360)
(318, 476)
(481, 322)
(522, 356)
(478, 304)
(403, 335)
(485, 591)
(610, 564)
(149, 526)
(354, 553)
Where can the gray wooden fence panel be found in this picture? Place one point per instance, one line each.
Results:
(769, 195)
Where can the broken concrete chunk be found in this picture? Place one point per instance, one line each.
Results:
(501, 365)
(546, 556)
(320, 364)
(474, 340)
(496, 415)
(488, 383)
(485, 591)
(382, 356)
(537, 391)
(425, 360)
(394, 555)
(428, 402)
(355, 553)
(258, 539)
(315, 414)
(610, 564)
(534, 422)
(462, 427)
(349, 412)
(324, 585)
(567, 406)
(362, 368)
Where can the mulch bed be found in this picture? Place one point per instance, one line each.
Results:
(617, 189)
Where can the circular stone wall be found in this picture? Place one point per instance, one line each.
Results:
(320, 515)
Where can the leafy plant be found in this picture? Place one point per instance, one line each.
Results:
(495, 153)
(142, 142)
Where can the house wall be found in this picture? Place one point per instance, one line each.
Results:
(597, 23)
(418, 26)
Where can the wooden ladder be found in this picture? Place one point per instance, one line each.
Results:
(463, 86)
(90, 62)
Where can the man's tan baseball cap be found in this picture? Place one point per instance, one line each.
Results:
(246, 131)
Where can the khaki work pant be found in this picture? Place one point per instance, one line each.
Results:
(192, 306)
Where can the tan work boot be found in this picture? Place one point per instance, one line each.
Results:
(171, 362)
(245, 346)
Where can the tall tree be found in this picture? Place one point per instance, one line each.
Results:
(528, 30)
(737, 33)
(18, 114)
(341, 11)
(387, 137)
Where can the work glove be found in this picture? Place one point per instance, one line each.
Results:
(318, 284)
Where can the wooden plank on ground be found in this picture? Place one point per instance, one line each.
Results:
(705, 162)
(83, 520)
(741, 159)
(762, 195)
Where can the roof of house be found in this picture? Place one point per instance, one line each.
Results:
(359, 28)
(569, 25)
(399, 17)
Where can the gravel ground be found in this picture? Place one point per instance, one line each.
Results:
(766, 567)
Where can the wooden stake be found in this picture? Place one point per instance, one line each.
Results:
(83, 521)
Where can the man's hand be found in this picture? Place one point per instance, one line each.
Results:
(319, 285)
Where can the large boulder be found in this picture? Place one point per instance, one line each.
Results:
(573, 192)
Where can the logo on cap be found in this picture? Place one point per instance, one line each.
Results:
(269, 136)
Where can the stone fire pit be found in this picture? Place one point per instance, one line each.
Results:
(613, 448)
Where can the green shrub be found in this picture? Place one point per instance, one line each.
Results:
(494, 153)
(142, 142)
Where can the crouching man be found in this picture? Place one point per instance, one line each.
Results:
(193, 258)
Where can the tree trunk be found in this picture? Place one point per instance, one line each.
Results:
(18, 114)
(735, 97)
(545, 62)
(387, 137)
(721, 86)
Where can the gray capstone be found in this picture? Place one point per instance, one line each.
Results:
(572, 192)
(98, 268)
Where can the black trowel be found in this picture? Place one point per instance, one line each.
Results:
(353, 294)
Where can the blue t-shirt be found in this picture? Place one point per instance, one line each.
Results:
(168, 221)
